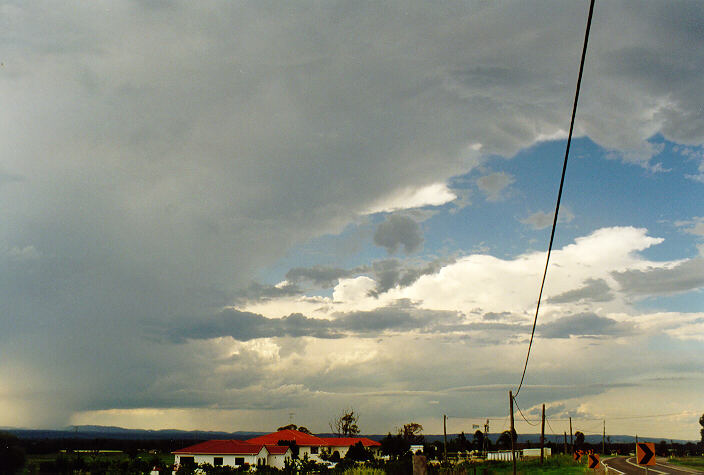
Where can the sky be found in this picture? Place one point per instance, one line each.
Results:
(233, 215)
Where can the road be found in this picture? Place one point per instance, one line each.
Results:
(627, 465)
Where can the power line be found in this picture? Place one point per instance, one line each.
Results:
(559, 193)
(553, 430)
(521, 413)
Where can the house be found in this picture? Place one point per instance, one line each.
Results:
(270, 449)
(234, 453)
(313, 446)
(307, 444)
(535, 452)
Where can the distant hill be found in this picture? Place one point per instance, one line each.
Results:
(111, 432)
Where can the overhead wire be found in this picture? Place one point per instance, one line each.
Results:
(521, 413)
(559, 193)
(553, 430)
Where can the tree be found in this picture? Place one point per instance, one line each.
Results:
(288, 427)
(504, 440)
(290, 443)
(411, 433)
(479, 440)
(304, 430)
(359, 453)
(701, 423)
(345, 425)
(578, 439)
(12, 455)
(394, 445)
(462, 443)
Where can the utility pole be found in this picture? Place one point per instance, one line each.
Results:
(542, 436)
(486, 435)
(444, 431)
(603, 439)
(565, 441)
(571, 439)
(513, 449)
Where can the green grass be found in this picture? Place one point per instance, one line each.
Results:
(364, 471)
(691, 462)
(555, 464)
(33, 461)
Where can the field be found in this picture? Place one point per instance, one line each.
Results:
(555, 464)
(111, 461)
(691, 462)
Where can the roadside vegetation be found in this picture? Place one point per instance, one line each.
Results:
(119, 456)
(690, 462)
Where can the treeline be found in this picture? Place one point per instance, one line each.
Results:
(130, 447)
(480, 443)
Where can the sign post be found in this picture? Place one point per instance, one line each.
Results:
(645, 454)
(593, 460)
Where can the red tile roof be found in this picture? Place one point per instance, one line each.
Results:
(301, 438)
(235, 447)
(349, 441)
(277, 449)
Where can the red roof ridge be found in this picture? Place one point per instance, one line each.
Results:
(301, 438)
(345, 441)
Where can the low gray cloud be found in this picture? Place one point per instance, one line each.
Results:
(493, 316)
(320, 276)
(390, 273)
(593, 290)
(493, 185)
(585, 325)
(259, 292)
(693, 226)
(245, 326)
(541, 220)
(686, 276)
(398, 231)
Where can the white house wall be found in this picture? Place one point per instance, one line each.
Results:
(307, 450)
(226, 459)
(277, 461)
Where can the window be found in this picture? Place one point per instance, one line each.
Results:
(239, 460)
(314, 450)
(217, 461)
(188, 461)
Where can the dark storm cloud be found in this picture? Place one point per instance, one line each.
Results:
(686, 276)
(585, 325)
(593, 290)
(168, 155)
(244, 326)
(398, 231)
